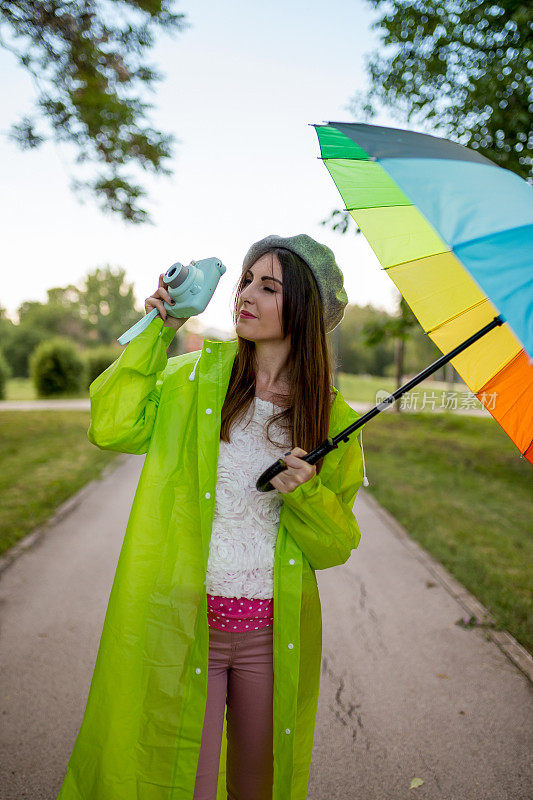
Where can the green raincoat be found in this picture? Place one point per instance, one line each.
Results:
(142, 727)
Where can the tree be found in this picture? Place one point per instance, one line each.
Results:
(38, 322)
(88, 62)
(355, 355)
(51, 319)
(399, 328)
(6, 328)
(463, 67)
(94, 313)
(107, 304)
(22, 342)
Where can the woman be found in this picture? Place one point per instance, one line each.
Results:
(210, 650)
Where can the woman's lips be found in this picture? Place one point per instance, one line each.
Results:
(247, 316)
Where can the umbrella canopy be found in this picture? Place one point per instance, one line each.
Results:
(455, 233)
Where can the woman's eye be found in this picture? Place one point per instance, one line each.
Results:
(247, 280)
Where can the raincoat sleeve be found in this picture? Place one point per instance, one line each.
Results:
(124, 398)
(319, 517)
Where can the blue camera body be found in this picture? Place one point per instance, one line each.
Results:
(190, 287)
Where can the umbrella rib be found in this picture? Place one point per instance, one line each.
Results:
(460, 314)
(409, 261)
(396, 205)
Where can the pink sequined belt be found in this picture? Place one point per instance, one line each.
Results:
(239, 613)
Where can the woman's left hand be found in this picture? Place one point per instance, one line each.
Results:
(297, 472)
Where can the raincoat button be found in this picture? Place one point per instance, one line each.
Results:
(291, 560)
(198, 670)
(290, 645)
(209, 411)
(287, 730)
(207, 495)
(207, 349)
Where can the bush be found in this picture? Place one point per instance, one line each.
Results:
(22, 342)
(5, 373)
(97, 359)
(56, 368)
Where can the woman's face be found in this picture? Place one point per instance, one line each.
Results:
(262, 296)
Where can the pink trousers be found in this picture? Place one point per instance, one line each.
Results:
(240, 674)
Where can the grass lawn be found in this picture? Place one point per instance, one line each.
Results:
(426, 396)
(356, 388)
(46, 457)
(23, 389)
(461, 489)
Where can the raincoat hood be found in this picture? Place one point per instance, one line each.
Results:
(141, 731)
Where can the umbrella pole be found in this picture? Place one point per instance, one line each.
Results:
(263, 482)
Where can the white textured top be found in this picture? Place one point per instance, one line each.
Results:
(245, 525)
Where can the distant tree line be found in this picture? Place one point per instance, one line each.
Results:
(92, 315)
(358, 355)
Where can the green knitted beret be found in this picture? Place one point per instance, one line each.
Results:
(320, 260)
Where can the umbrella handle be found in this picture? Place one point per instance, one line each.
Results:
(263, 482)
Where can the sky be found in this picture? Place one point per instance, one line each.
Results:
(242, 87)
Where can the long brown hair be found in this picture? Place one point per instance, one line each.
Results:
(309, 365)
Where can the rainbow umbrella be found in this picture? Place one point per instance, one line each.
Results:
(455, 233)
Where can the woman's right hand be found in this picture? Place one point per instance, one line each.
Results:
(156, 301)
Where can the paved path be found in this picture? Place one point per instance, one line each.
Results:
(405, 691)
(81, 404)
(85, 405)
